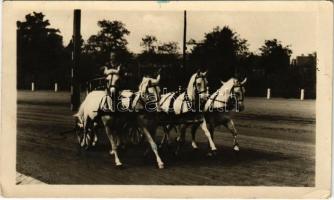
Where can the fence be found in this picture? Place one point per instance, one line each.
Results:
(33, 87)
(100, 84)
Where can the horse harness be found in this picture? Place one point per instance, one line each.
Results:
(197, 93)
(228, 102)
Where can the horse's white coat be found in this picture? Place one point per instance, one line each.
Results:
(180, 105)
(165, 101)
(125, 99)
(223, 95)
(90, 105)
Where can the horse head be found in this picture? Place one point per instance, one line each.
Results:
(113, 76)
(198, 86)
(149, 92)
(236, 93)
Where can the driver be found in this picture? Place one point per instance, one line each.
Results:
(108, 71)
(111, 73)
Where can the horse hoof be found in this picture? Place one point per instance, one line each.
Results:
(212, 153)
(236, 148)
(161, 166)
(86, 147)
(120, 166)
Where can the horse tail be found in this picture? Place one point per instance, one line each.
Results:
(80, 114)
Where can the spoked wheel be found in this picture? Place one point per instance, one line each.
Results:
(84, 137)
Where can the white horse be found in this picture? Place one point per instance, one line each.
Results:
(229, 97)
(97, 100)
(140, 108)
(87, 114)
(186, 107)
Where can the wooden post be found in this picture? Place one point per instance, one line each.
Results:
(302, 94)
(56, 87)
(75, 86)
(32, 86)
(268, 93)
(164, 90)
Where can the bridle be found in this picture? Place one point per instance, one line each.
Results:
(112, 77)
(230, 103)
(155, 88)
(197, 91)
(234, 96)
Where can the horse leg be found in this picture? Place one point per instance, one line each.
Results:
(154, 147)
(95, 133)
(181, 138)
(165, 137)
(193, 136)
(211, 128)
(84, 131)
(86, 137)
(111, 137)
(208, 135)
(230, 126)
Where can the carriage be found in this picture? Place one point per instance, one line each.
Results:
(85, 140)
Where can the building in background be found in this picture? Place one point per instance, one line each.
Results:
(305, 67)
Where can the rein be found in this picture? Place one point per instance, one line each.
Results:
(195, 86)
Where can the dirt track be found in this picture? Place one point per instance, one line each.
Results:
(277, 139)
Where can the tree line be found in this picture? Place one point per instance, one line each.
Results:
(44, 59)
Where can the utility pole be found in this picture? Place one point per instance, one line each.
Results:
(75, 85)
(184, 40)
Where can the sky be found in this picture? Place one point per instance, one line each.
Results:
(297, 29)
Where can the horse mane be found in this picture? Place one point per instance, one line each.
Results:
(143, 85)
(226, 87)
(190, 87)
(228, 84)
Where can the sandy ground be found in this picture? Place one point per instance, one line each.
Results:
(277, 140)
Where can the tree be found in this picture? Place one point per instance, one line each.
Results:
(111, 38)
(276, 57)
(154, 54)
(164, 56)
(168, 48)
(220, 52)
(41, 55)
(275, 60)
(149, 43)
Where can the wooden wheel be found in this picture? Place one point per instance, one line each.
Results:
(84, 136)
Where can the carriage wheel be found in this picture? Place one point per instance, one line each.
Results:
(79, 132)
(84, 138)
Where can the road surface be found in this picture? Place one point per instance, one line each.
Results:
(276, 137)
